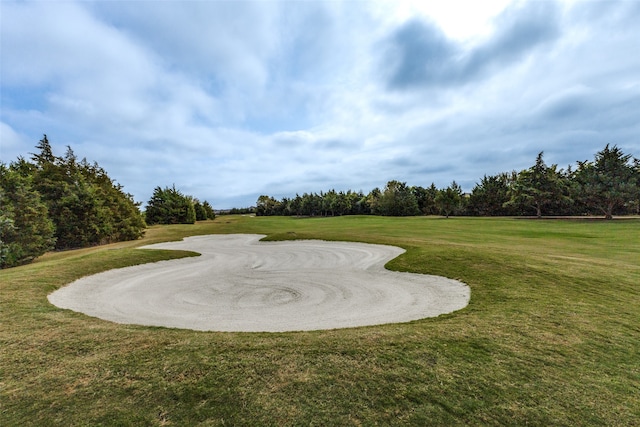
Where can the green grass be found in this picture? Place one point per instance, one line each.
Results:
(551, 337)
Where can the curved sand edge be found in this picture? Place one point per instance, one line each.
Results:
(241, 284)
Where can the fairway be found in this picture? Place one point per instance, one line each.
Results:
(550, 336)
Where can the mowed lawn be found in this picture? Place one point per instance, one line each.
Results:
(551, 337)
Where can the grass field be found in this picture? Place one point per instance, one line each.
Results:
(551, 337)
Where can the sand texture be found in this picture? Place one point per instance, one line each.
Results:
(241, 284)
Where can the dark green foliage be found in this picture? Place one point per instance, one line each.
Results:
(208, 210)
(60, 200)
(170, 206)
(201, 215)
(539, 187)
(449, 200)
(85, 205)
(267, 206)
(311, 204)
(610, 185)
(488, 198)
(611, 182)
(238, 211)
(26, 231)
(397, 199)
(331, 203)
(203, 210)
(426, 198)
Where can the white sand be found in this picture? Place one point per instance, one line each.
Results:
(240, 284)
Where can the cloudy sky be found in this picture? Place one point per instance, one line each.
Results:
(232, 99)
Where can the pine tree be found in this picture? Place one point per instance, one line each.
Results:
(170, 206)
(449, 199)
(539, 186)
(610, 182)
(26, 231)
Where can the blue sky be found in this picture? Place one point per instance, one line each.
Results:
(230, 100)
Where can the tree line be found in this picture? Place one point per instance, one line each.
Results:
(609, 185)
(57, 202)
(170, 206)
(54, 202)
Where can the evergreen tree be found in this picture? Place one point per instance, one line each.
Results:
(201, 215)
(397, 199)
(449, 199)
(426, 198)
(610, 185)
(45, 156)
(85, 205)
(208, 210)
(610, 182)
(170, 206)
(489, 196)
(26, 231)
(539, 187)
(267, 206)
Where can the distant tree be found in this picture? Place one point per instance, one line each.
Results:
(125, 221)
(489, 196)
(203, 210)
(397, 199)
(238, 211)
(357, 203)
(329, 202)
(348, 200)
(426, 198)
(208, 210)
(636, 203)
(170, 206)
(294, 206)
(610, 185)
(6, 226)
(341, 205)
(539, 187)
(45, 156)
(267, 206)
(449, 199)
(610, 182)
(373, 200)
(310, 205)
(26, 231)
(201, 215)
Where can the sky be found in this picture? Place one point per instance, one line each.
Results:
(228, 100)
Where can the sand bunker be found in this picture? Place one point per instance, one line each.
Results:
(241, 284)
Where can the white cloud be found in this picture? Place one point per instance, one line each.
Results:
(229, 100)
(461, 20)
(10, 140)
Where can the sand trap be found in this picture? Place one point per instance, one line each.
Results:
(241, 284)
